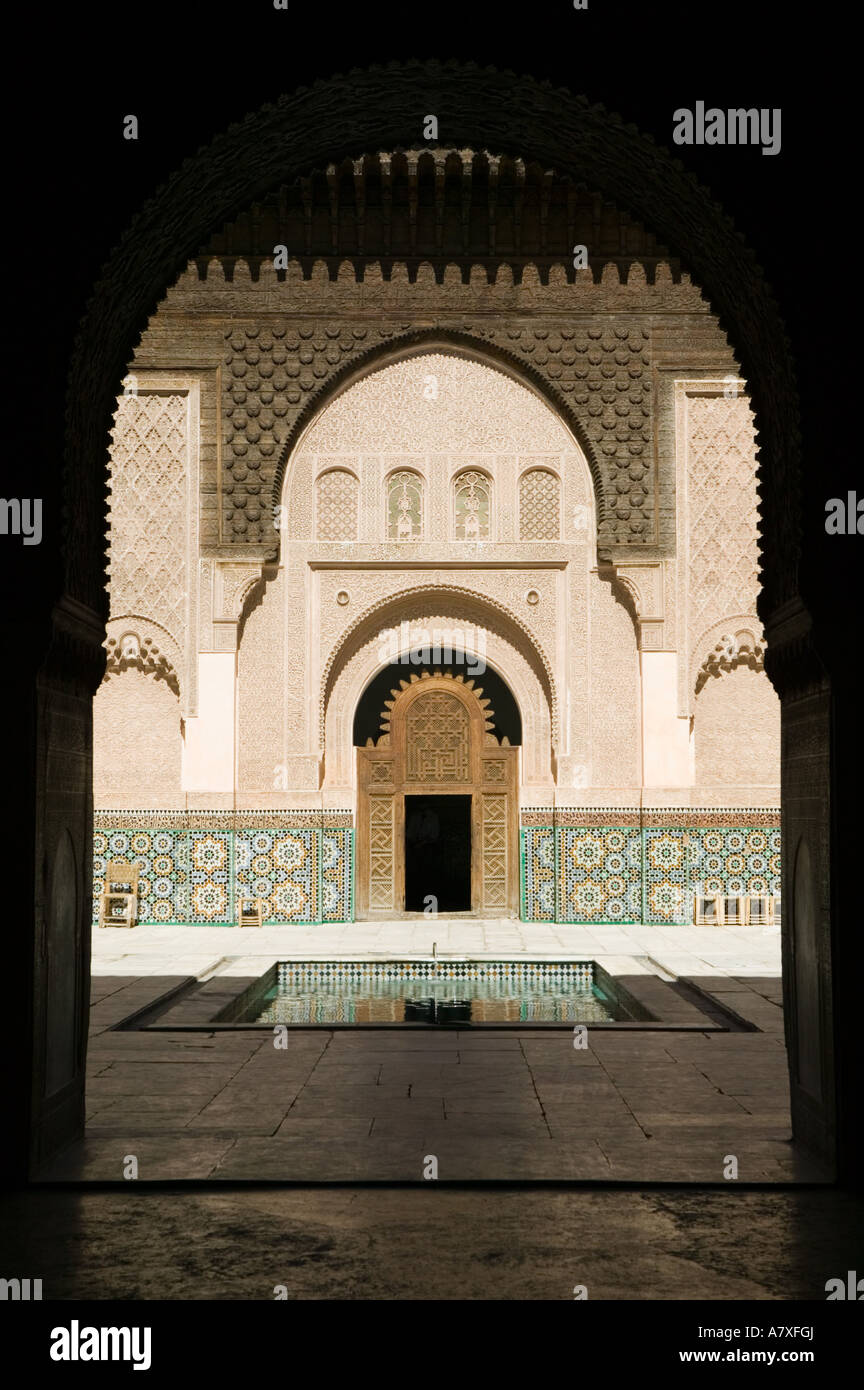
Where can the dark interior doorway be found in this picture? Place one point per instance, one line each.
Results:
(438, 853)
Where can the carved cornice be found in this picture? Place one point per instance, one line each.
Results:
(432, 203)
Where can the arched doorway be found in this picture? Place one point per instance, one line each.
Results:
(437, 805)
(62, 607)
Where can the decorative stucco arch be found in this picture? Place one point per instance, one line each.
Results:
(155, 651)
(737, 640)
(419, 343)
(489, 633)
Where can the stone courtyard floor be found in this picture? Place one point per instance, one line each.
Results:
(688, 1104)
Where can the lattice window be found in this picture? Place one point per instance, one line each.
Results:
(472, 505)
(404, 506)
(336, 511)
(437, 739)
(539, 506)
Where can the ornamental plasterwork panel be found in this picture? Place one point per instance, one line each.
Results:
(336, 511)
(646, 586)
(738, 640)
(717, 519)
(473, 598)
(602, 370)
(509, 590)
(476, 410)
(133, 642)
(232, 584)
(539, 505)
(154, 511)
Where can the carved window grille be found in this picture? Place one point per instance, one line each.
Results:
(437, 739)
(404, 507)
(336, 506)
(472, 506)
(539, 506)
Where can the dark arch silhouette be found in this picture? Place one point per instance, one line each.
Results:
(377, 108)
(502, 701)
(61, 650)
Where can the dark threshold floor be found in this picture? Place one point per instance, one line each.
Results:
(435, 1243)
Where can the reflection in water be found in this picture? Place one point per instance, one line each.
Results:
(394, 992)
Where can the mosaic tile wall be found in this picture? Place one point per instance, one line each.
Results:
(192, 875)
(631, 873)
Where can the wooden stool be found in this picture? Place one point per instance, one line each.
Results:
(250, 912)
(118, 905)
(707, 910)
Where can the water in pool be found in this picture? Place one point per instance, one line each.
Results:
(420, 992)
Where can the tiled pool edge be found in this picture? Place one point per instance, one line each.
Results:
(198, 1009)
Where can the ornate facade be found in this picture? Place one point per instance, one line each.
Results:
(427, 453)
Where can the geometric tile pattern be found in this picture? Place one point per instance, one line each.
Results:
(569, 873)
(744, 860)
(605, 873)
(665, 875)
(279, 866)
(599, 874)
(337, 877)
(525, 972)
(538, 895)
(162, 857)
(188, 876)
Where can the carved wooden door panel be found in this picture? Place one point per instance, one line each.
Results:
(437, 740)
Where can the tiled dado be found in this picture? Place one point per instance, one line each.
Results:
(192, 874)
(650, 873)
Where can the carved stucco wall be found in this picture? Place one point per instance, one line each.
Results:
(265, 689)
(154, 510)
(477, 418)
(278, 368)
(717, 588)
(435, 413)
(738, 734)
(137, 743)
(151, 676)
(721, 574)
(147, 565)
(613, 754)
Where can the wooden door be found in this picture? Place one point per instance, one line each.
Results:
(437, 740)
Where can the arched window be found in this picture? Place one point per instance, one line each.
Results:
(539, 506)
(472, 496)
(336, 509)
(404, 506)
